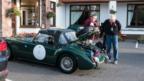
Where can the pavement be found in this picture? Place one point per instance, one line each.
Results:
(130, 44)
(130, 68)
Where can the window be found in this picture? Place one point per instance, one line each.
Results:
(79, 12)
(53, 9)
(67, 37)
(30, 13)
(44, 38)
(41, 38)
(135, 18)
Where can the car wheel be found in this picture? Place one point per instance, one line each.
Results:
(11, 57)
(67, 64)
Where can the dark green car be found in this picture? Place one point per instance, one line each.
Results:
(58, 47)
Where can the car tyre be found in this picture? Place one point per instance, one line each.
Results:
(67, 64)
(9, 52)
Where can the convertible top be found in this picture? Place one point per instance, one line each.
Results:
(53, 31)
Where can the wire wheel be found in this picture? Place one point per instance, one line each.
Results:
(67, 64)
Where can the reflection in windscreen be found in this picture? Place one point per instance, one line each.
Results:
(67, 37)
(41, 38)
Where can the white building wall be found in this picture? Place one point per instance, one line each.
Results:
(67, 15)
(104, 12)
(61, 17)
(122, 14)
(28, 30)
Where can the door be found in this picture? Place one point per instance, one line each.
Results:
(25, 49)
(41, 49)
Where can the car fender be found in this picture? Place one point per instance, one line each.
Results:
(83, 61)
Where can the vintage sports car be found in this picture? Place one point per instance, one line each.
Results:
(54, 46)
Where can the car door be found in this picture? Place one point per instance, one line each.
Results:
(37, 50)
(41, 49)
(50, 47)
(24, 49)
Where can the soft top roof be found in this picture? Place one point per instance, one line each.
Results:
(52, 31)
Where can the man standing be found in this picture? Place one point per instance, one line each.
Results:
(111, 28)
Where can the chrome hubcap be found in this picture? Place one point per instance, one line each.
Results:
(66, 63)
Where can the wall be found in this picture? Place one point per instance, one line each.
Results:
(103, 12)
(61, 16)
(122, 14)
(28, 30)
(5, 22)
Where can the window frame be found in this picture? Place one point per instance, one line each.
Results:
(135, 26)
(30, 26)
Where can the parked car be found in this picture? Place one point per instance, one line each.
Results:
(3, 59)
(54, 46)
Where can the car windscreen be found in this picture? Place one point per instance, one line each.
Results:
(67, 37)
(41, 38)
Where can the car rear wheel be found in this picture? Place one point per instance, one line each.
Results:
(67, 64)
(11, 57)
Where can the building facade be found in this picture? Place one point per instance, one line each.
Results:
(34, 14)
(129, 13)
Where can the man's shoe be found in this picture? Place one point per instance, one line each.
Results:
(109, 61)
(115, 62)
(7, 80)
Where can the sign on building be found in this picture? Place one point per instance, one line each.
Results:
(112, 6)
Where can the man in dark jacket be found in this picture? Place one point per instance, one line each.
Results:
(111, 28)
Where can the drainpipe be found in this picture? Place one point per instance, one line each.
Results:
(40, 5)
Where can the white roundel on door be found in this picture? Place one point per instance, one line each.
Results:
(39, 52)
